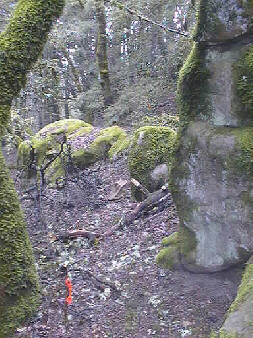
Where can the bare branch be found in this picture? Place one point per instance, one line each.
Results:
(144, 18)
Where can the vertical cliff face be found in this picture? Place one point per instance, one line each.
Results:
(213, 171)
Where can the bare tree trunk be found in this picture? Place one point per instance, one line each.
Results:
(102, 53)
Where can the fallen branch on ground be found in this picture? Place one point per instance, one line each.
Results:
(157, 198)
(153, 199)
(78, 233)
(103, 283)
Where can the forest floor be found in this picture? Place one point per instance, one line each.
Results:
(118, 290)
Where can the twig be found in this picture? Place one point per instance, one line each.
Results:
(140, 187)
(144, 18)
(102, 281)
(78, 233)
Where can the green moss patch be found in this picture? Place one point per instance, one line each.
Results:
(18, 280)
(47, 143)
(108, 141)
(150, 147)
(168, 257)
(242, 159)
(193, 85)
(245, 289)
(20, 46)
(244, 77)
(177, 245)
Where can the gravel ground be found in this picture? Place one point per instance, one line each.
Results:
(118, 290)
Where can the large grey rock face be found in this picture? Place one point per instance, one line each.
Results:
(224, 20)
(214, 197)
(213, 172)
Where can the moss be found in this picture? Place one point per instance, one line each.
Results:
(66, 127)
(46, 143)
(243, 72)
(193, 86)
(187, 242)
(177, 245)
(107, 141)
(24, 152)
(150, 147)
(82, 158)
(248, 9)
(245, 289)
(18, 280)
(119, 146)
(242, 160)
(20, 46)
(163, 120)
(57, 169)
(168, 257)
(80, 132)
(223, 334)
(171, 240)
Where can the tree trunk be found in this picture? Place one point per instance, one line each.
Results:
(20, 46)
(102, 53)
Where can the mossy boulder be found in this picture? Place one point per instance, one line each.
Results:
(46, 144)
(150, 156)
(239, 318)
(85, 143)
(169, 257)
(106, 144)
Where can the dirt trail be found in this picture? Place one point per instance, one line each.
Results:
(147, 301)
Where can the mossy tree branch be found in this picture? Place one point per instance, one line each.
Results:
(20, 46)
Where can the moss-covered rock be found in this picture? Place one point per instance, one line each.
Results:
(108, 141)
(193, 86)
(182, 243)
(212, 189)
(243, 70)
(223, 20)
(169, 256)
(46, 144)
(150, 147)
(239, 319)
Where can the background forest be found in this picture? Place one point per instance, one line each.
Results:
(143, 61)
